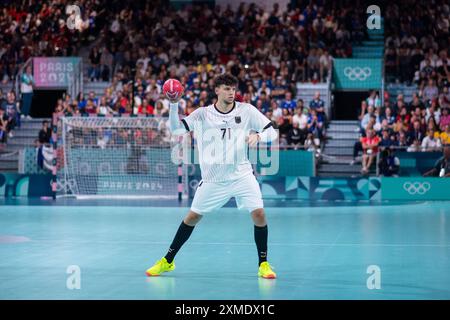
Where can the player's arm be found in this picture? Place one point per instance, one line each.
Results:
(268, 133)
(176, 126)
(263, 126)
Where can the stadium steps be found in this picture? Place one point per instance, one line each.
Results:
(372, 47)
(23, 137)
(6, 87)
(8, 159)
(338, 150)
(307, 91)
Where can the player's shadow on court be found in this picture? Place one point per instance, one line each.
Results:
(266, 287)
(164, 287)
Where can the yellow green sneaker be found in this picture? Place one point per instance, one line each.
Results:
(265, 271)
(160, 267)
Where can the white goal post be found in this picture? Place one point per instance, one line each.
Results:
(119, 157)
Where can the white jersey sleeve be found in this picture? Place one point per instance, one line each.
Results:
(258, 121)
(191, 121)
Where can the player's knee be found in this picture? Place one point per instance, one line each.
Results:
(258, 214)
(192, 218)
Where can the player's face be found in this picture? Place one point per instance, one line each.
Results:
(226, 93)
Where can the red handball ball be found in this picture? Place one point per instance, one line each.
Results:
(173, 89)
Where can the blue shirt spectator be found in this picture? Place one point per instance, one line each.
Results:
(386, 140)
(288, 103)
(317, 104)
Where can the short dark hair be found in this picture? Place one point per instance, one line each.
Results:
(225, 79)
(44, 122)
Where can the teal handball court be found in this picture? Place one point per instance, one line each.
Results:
(345, 250)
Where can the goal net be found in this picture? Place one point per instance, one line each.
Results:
(123, 157)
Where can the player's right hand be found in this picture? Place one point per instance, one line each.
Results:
(173, 100)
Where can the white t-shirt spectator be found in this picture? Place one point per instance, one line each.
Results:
(278, 112)
(302, 120)
(436, 114)
(430, 144)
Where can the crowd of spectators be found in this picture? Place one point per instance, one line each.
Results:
(140, 44)
(422, 124)
(38, 28)
(145, 45)
(417, 43)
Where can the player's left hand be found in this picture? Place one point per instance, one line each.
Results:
(253, 139)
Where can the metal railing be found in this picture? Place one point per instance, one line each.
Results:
(76, 82)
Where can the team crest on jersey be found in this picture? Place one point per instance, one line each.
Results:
(237, 119)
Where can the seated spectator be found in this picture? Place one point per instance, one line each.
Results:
(91, 108)
(318, 105)
(416, 133)
(103, 108)
(370, 150)
(442, 165)
(387, 115)
(325, 61)
(444, 120)
(160, 110)
(11, 112)
(444, 136)
(430, 92)
(81, 102)
(94, 68)
(302, 120)
(3, 126)
(357, 147)
(430, 143)
(265, 102)
(276, 111)
(374, 99)
(385, 126)
(315, 124)
(416, 102)
(145, 108)
(279, 89)
(386, 140)
(288, 103)
(312, 143)
(45, 133)
(444, 97)
(389, 164)
(284, 126)
(414, 146)
(431, 125)
(295, 137)
(366, 118)
(362, 112)
(404, 117)
(432, 111)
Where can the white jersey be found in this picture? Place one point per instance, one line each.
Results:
(222, 148)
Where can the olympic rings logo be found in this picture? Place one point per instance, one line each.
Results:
(416, 187)
(357, 73)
